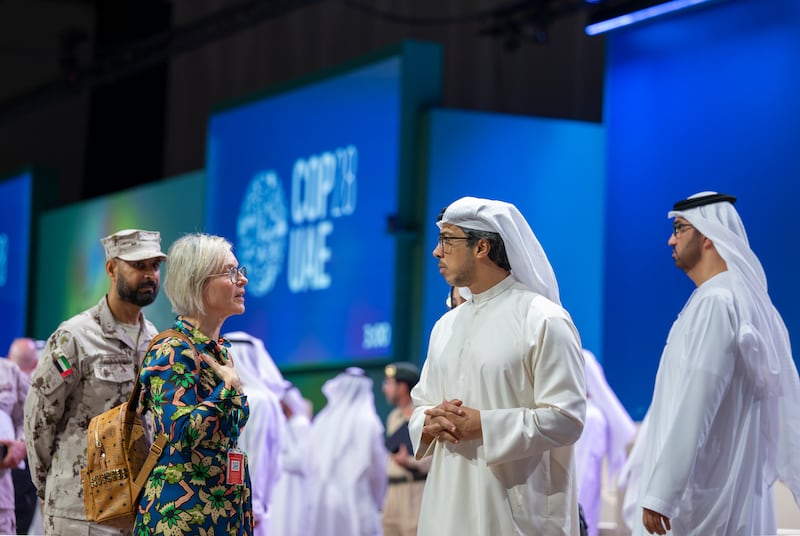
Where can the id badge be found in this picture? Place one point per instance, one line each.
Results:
(235, 474)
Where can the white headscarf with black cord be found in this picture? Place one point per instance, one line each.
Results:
(763, 338)
(528, 260)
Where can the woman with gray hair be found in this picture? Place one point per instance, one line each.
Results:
(201, 483)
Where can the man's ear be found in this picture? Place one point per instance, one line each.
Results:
(483, 248)
(111, 268)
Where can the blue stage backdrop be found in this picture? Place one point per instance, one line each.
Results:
(16, 192)
(703, 100)
(553, 171)
(303, 180)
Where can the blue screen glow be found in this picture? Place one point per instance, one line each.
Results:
(15, 228)
(302, 183)
(553, 171)
(705, 101)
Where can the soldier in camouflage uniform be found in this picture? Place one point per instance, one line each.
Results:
(88, 366)
(406, 474)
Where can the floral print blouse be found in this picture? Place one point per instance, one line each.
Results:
(187, 492)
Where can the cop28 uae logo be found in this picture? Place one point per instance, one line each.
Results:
(261, 231)
(272, 234)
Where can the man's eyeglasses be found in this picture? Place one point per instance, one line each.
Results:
(678, 228)
(233, 273)
(446, 242)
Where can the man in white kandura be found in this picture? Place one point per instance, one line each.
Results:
(347, 478)
(722, 426)
(607, 432)
(261, 438)
(501, 398)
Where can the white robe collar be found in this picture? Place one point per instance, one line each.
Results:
(494, 291)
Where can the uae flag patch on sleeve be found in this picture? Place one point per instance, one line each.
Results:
(64, 366)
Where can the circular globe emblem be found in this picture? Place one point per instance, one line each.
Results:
(261, 231)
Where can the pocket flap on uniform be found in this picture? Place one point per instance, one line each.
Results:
(117, 369)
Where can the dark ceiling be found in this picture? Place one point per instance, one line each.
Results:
(109, 94)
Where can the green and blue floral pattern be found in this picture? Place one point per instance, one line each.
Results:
(187, 491)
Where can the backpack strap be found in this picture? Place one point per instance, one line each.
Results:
(152, 457)
(133, 399)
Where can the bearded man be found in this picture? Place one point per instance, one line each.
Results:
(722, 426)
(89, 365)
(502, 398)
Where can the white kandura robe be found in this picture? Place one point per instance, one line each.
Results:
(290, 498)
(590, 451)
(260, 439)
(703, 449)
(603, 446)
(515, 356)
(347, 478)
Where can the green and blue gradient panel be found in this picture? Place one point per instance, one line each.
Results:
(71, 273)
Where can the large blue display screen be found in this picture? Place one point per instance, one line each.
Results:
(678, 127)
(302, 183)
(530, 162)
(15, 229)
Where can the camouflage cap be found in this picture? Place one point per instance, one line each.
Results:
(133, 245)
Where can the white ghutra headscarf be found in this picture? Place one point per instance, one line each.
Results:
(528, 261)
(763, 339)
(344, 429)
